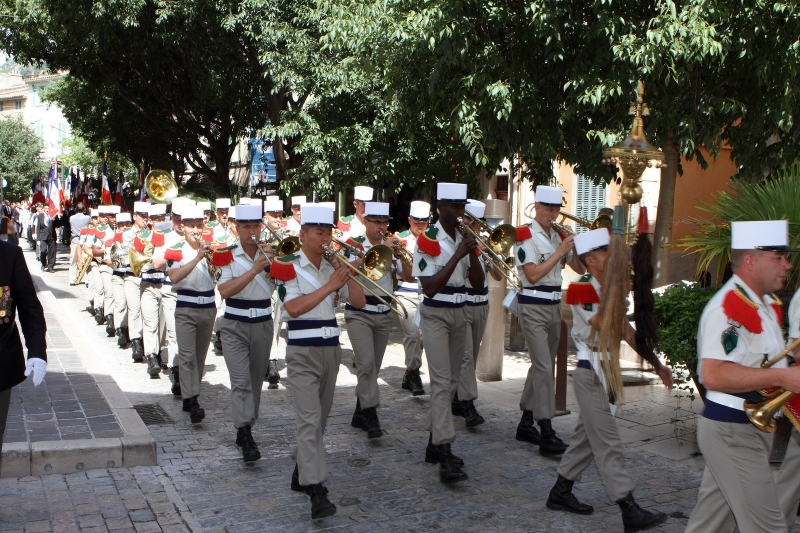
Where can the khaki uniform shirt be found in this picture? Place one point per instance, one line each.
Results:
(537, 250)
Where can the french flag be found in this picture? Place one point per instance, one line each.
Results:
(142, 191)
(118, 197)
(106, 195)
(37, 189)
(54, 192)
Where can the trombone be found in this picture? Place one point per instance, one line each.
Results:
(761, 413)
(405, 256)
(376, 263)
(499, 242)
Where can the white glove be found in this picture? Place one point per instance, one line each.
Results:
(38, 367)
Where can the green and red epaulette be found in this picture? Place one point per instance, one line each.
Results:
(582, 292)
(158, 237)
(282, 268)
(88, 230)
(116, 238)
(140, 241)
(523, 233)
(212, 224)
(100, 231)
(343, 223)
(174, 252)
(223, 255)
(739, 307)
(428, 243)
(208, 235)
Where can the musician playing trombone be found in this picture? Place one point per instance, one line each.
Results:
(247, 325)
(740, 330)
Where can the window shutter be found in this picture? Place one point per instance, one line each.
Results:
(590, 199)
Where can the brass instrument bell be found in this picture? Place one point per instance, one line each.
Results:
(160, 186)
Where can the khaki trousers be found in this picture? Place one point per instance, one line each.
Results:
(787, 482)
(193, 330)
(246, 348)
(444, 332)
(596, 437)
(120, 303)
(476, 325)
(133, 297)
(542, 327)
(369, 335)
(73, 262)
(94, 285)
(169, 337)
(737, 489)
(311, 372)
(412, 336)
(108, 290)
(150, 295)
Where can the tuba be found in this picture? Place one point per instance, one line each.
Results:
(160, 186)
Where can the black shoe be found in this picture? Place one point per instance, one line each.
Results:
(176, 383)
(321, 506)
(218, 343)
(137, 350)
(549, 443)
(412, 382)
(473, 418)
(153, 368)
(99, 317)
(50, 270)
(245, 441)
(432, 454)
(526, 431)
(296, 486)
(366, 419)
(562, 499)
(449, 471)
(455, 406)
(196, 413)
(90, 309)
(122, 337)
(161, 364)
(110, 325)
(634, 518)
(273, 377)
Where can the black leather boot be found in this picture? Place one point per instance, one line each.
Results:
(110, 325)
(273, 377)
(413, 382)
(562, 499)
(245, 441)
(473, 418)
(634, 518)
(122, 337)
(373, 425)
(526, 431)
(550, 444)
(296, 486)
(153, 368)
(176, 383)
(432, 454)
(196, 413)
(99, 317)
(217, 343)
(449, 471)
(161, 363)
(455, 406)
(321, 506)
(137, 350)
(90, 308)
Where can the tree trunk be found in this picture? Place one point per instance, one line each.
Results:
(666, 204)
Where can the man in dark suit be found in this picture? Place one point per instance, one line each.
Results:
(18, 297)
(45, 234)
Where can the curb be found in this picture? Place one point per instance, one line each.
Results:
(136, 448)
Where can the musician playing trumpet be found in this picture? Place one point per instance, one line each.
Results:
(739, 330)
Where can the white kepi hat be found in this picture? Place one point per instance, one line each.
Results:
(298, 200)
(420, 210)
(362, 193)
(331, 205)
(770, 235)
(93, 212)
(248, 213)
(316, 215)
(223, 203)
(191, 212)
(179, 205)
(452, 192)
(591, 240)
(549, 195)
(376, 209)
(273, 204)
(141, 208)
(109, 209)
(123, 217)
(205, 206)
(475, 208)
(157, 210)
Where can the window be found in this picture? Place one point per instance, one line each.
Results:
(62, 131)
(1, 107)
(40, 131)
(589, 200)
(18, 104)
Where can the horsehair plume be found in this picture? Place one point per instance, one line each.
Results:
(643, 301)
(613, 308)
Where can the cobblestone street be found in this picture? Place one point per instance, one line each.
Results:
(201, 484)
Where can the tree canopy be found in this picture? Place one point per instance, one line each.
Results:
(20, 158)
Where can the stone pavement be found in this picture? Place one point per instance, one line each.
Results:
(200, 483)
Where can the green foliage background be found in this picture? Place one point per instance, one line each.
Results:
(20, 158)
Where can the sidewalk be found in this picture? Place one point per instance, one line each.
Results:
(200, 483)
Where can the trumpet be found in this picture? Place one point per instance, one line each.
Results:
(261, 249)
(399, 250)
(376, 263)
(498, 244)
(761, 413)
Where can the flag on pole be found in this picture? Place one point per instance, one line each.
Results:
(142, 191)
(54, 193)
(106, 198)
(118, 197)
(37, 189)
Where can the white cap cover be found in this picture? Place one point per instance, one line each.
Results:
(157, 210)
(316, 215)
(191, 212)
(362, 193)
(420, 210)
(205, 206)
(223, 203)
(248, 213)
(143, 208)
(451, 192)
(376, 209)
(179, 204)
(273, 204)
(764, 234)
(254, 201)
(244, 201)
(549, 195)
(105, 209)
(475, 208)
(591, 240)
(93, 212)
(123, 217)
(331, 205)
(298, 200)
